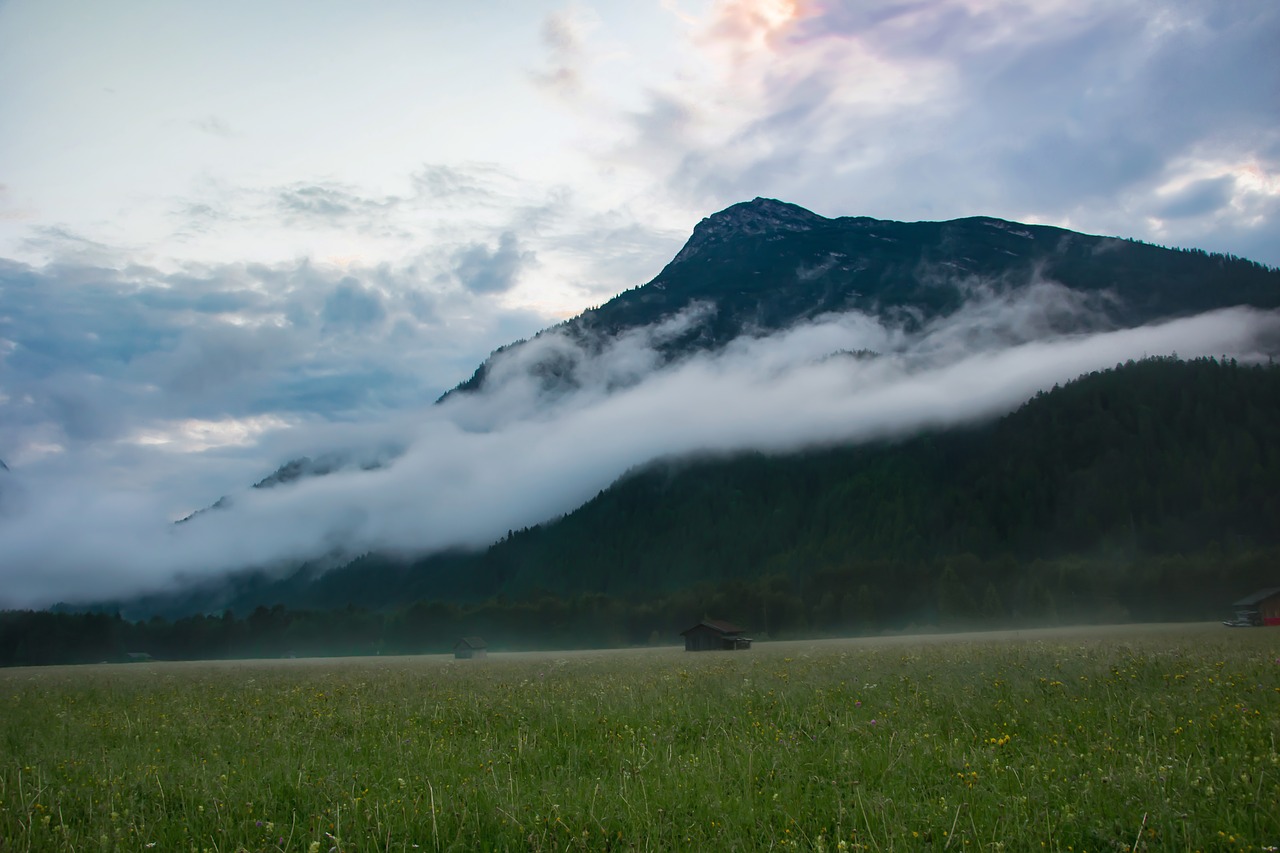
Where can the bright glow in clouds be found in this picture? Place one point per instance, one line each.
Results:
(479, 465)
(235, 233)
(193, 436)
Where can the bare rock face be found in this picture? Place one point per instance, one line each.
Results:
(761, 217)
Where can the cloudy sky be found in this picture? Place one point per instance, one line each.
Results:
(233, 233)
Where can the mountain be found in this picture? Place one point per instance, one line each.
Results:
(766, 265)
(997, 496)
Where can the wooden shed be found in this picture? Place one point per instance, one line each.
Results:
(1260, 608)
(470, 648)
(714, 635)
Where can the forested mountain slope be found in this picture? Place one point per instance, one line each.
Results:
(1156, 476)
(1158, 457)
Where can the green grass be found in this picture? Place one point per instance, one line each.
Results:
(1099, 740)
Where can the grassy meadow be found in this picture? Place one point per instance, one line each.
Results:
(1103, 739)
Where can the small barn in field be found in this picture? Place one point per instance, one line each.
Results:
(1260, 608)
(714, 635)
(470, 648)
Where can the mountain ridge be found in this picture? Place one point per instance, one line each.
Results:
(765, 265)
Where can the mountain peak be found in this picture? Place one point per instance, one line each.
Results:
(768, 211)
(760, 217)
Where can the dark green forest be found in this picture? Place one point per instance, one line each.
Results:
(1147, 492)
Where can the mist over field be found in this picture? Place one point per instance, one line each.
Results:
(478, 465)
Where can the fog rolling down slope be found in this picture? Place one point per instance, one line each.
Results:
(806, 350)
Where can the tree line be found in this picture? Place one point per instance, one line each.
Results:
(856, 598)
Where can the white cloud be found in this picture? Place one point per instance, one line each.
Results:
(93, 354)
(1079, 113)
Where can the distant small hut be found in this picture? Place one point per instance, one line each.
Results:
(470, 648)
(138, 657)
(1261, 608)
(714, 635)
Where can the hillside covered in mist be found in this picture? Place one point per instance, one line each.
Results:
(1149, 490)
(868, 423)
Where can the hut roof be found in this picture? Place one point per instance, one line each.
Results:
(1257, 597)
(471, 643)
(716, 625)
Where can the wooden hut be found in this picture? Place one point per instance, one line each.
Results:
(714, 635)
(1261, 608)
(470, 648)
